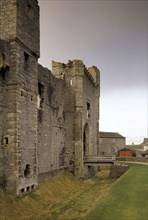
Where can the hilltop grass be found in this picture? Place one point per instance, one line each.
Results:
(62, 197)
(127, 199)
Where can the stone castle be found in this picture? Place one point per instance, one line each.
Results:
(49, 120)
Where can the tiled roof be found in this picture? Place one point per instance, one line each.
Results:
(110, 135)
(138, 146)
(134, 147)
(125, 149)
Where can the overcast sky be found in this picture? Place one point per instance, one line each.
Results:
(111, 35)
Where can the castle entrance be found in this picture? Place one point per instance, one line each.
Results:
(86, 141)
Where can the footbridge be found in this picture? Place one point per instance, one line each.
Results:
(99, 160)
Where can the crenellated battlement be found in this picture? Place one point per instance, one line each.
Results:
(94, 74)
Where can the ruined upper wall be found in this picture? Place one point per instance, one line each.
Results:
(73, 68)
(55, 124)
(19, 21)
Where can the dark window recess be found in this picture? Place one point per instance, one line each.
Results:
(40, 95)
(88, 106)
(3, 182)
(88, 110)
(62, 75)
(22, 190)
(29, 8)
(89, 167)
(26, 60)
(27, 170)
(28, 4)
(4, 68)
(32, 186)
(6, 140)
(28, 188)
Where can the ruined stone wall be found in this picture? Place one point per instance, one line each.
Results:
(19, 94)
(85, 86)
(54, 130)
(66, 72)
(27, 120)
(91, 109)
(18, 120)
(42, 114)
(8, 121)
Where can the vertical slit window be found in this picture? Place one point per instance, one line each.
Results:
(40, 99)
(88, 110)
(26, 60)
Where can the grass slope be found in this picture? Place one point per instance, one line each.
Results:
(62, 197)
(127, 199)
(69, 198)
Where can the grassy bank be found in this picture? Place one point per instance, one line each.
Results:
(66, 197)
(127, 199)
(62, 197)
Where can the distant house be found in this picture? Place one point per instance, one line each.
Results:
(125, 152)
(110, 143)
(140, 150)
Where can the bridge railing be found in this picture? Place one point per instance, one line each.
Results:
(90, 158)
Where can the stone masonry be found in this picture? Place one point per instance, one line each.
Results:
(110, 143)
(49, 120)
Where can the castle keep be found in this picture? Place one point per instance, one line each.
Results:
(49, 120)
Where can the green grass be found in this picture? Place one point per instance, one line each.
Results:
(69, 198)
(61, 197)
(127, 199)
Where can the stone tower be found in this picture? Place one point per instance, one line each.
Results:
(19, 53)
(84, 120)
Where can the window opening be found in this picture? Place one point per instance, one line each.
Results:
(40, 98)
(26, 60)
(28, 188)
(89, 167)
(62, 75)
(27, 170)
(28, 4)
(22, 190)
(6, 140)
(88, 110)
